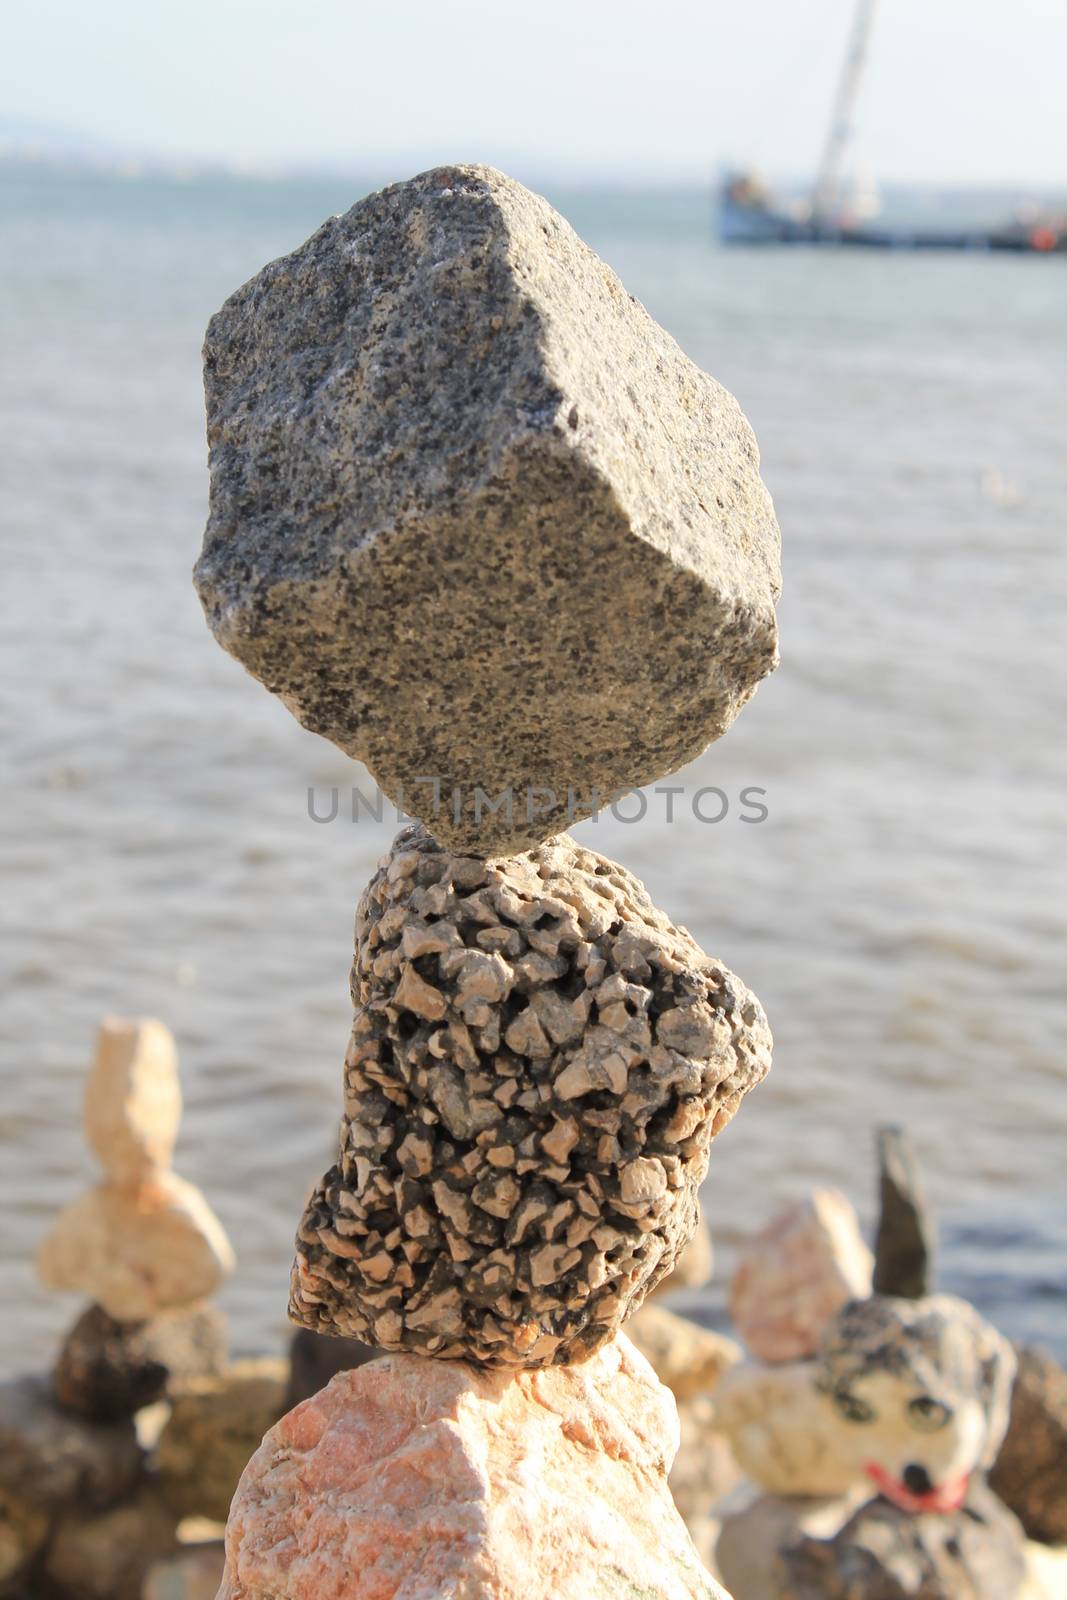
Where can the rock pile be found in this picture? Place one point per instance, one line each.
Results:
(477, 519)
(83, 1511)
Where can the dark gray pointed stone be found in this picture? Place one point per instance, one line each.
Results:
(476, 518)
(904, 1246)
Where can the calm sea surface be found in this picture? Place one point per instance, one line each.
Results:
(902, 911)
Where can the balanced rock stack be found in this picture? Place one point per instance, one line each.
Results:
(83, 1512)
(477, 519)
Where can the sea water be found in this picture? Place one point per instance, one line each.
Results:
(901, 909)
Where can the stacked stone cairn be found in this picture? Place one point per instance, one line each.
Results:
(869, 1426)
(84, 1512)
(477, 519)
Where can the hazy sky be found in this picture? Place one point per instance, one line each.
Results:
(965, 90)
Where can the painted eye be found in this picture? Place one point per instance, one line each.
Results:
(927, 1414)
(851, 1409)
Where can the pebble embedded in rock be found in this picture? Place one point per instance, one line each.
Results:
(476, 518)
(499, 1198)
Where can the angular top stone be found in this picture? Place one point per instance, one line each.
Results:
(474, 515)
(133, 1099)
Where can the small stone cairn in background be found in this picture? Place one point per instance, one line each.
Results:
(86, 1505)
(477, 519)
(873, 1416)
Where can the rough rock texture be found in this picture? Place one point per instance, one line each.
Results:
(1030, 1473)
(215, 1425)
(784, 1432)
(108, 1369)
(23, 1531)
(137, 1251)
(474, 515)
(133, 1099)
(793, 1277)
(923, 1387)
(315, 1358)
(689, 1359)
(105, 1556)
(693, 1268)
(410, 1478)
(538, 1065)
(753, 1529)
(50, 1458)
(904, 1247)
(883, 1553)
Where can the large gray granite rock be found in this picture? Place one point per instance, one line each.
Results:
(474, 515)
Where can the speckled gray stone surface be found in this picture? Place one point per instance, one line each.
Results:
(539, 1062)
(475, 517)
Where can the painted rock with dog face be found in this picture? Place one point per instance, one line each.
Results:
(539, 1062)
(924, 1387)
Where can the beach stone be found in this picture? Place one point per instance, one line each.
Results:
(1046, 1573)
(23, 1531)
(784, 1431)
(106, 1555)
(50, 1458)
(796, 1274)
(215, 1425)
(193, 1574)
(475, 517)
(884, 1553)
(133, 1099)
(753, 1529)
(138, 1251)
(923, 1389)
(694, 1265)
(315, 1358)
(689, 1359)
(410, 1477)
(538, 1065)
(108, 1369)
(704, 1469)
(904, 1246)
(1030, 1472)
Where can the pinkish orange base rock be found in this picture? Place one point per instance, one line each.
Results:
(414, 1479)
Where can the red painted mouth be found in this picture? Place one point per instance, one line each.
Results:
(944, 1497)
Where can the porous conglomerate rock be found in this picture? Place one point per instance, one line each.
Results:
(538, 1065)
(475, 517)
(409, 1479)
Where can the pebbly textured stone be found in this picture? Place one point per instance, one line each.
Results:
(214, 1426)
(694, 1265)
(133, 1099)
(538, 1065)
(689, 1359)
(1030, 1472)
(49, 1458)
(106, 1556)
(904, 1246)
(315, 1358)
(923, 1387)
(410, 1478)
(784, 1432)
(108, 1369)
(474, 515)
(796, 1274)
(883, 1553)
(138, 1251)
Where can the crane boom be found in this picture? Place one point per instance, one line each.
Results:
(842, 123)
